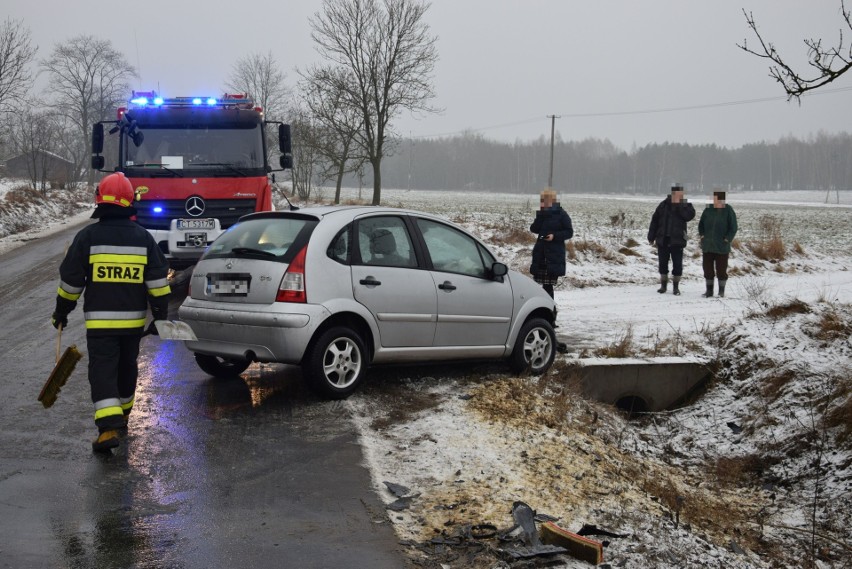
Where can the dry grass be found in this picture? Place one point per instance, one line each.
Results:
(771, 250)
(512, 235)
(23, 195)
(629, 252)
(631, 243)
(578, 248)
(840, 416)
(833, 325)
(773, 384)
(794, 306)
(623, 347)
(769, 246)
(742, 471)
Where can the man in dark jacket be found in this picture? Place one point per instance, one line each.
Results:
(121, 269)
(553, 227)
(668, 231)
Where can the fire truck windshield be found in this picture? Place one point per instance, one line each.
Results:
(221, 151)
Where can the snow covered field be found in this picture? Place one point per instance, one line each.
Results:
(757, 472)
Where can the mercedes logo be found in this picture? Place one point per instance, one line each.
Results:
(194, 206)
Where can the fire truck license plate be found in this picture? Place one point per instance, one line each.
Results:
(205, 223)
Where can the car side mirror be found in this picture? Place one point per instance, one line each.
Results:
(498, 271)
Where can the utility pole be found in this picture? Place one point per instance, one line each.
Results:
(552, 131)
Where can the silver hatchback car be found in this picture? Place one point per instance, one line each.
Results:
(335, 289)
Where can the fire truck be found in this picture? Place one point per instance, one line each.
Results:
(197, 164)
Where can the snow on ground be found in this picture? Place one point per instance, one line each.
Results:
(753, 473)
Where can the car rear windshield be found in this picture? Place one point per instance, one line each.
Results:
(273, 238)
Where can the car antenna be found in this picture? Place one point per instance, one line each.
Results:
(292, 207)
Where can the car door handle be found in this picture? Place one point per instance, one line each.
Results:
(370, 281)
(447, 285)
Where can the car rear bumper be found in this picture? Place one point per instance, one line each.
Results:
(252, 332)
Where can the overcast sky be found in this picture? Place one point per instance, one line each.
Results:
(606, 67)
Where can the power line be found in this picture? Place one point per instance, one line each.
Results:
(636, 112)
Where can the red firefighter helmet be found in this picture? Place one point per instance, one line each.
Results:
(115, 189)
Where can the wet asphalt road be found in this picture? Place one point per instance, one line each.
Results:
(247, 472)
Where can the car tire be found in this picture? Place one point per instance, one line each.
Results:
(221, 367)
(535, 347)
(336, 363)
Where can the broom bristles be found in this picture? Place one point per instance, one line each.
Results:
(59, 375)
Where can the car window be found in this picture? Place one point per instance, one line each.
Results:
(340, 247)
(384, 241)
(275, 238)
(452, 250)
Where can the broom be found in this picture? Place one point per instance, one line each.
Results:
(61, 373)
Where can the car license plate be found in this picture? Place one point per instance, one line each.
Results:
(203, 223)
(228, 285)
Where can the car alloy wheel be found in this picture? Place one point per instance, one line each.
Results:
(336, 364)
(535, 347)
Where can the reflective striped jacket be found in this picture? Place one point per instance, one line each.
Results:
(119, 269)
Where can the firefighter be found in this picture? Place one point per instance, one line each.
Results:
(119, 269)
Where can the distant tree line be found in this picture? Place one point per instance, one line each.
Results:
(473, 162)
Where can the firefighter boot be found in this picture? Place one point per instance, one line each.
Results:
(722, 288)
(664, 283)
(709, 293)
(106, 440)
(675, 286)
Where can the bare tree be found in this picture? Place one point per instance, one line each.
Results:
(307, 161)
(89, 79)
(387, 49)
(16, 54)
(829, 63)
(32, 137)
(261, 77)
(324, 90)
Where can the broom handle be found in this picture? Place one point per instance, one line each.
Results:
(58, 342)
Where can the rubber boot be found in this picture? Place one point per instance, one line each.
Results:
(709, 293)
(722, 288)
(664, 283)
(676, 286)
(105, 441)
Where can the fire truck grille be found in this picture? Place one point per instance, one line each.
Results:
(226, 211)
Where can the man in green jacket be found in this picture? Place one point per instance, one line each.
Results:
(716, 230)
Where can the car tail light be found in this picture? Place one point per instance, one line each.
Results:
(292, 288)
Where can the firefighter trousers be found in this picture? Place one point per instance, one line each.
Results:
(113, 372)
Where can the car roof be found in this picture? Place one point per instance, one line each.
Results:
(346, 212)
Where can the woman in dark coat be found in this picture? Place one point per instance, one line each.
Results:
(553, 227)
(668, 231)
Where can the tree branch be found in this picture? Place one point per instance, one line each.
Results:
(829, 63)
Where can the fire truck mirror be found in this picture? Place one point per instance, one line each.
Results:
(97, 162)
(284, 141)
(286, 161)
(97, 138)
